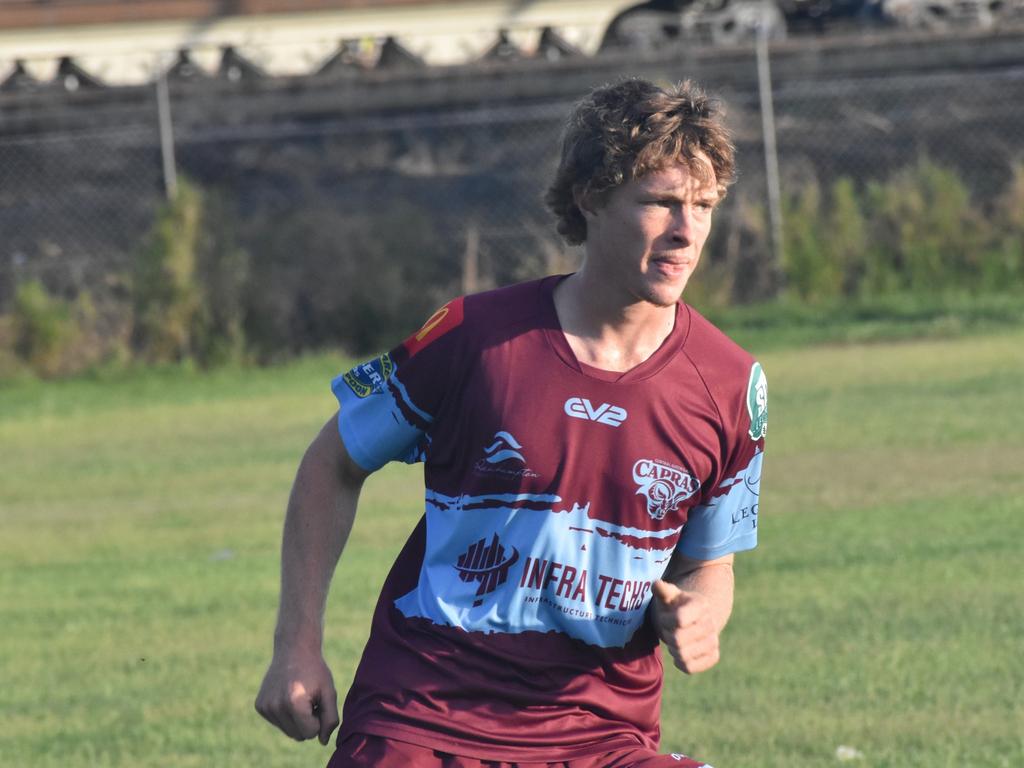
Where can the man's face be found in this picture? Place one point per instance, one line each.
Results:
(646, 237)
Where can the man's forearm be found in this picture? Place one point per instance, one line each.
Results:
(297, 693)
(715, 581)
(321, 511)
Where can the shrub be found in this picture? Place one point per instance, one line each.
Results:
(222, 277)
(44, 329)
(737, 265)
(1004, 262)
(323, 278)
(165, 295)
(810, 273)
(189, 282)
(917, 232)
(927, 235)
(846, 242)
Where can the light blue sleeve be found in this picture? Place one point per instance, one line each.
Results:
(728, 521)
(376, 419)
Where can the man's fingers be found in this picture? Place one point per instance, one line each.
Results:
(303, 715)
(328, 714)
(298, 696)
(292, 713)
(691, 666)
(693, 615)
(684, 608)
(279, 715)
(665, 591)
(695, 657)
(686, 627)
(287, 723)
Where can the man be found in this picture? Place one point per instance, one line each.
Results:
(592, 451)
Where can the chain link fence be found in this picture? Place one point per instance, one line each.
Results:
(354, 227)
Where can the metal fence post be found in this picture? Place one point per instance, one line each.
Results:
(771, 155)
(163, 104)
(471, 259)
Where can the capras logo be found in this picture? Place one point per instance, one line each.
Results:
(664, 485)
(581, 408)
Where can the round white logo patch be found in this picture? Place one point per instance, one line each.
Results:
(757, 402)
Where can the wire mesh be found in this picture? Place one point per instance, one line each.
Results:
(442, 201)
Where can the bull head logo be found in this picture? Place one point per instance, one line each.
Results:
(664, 486)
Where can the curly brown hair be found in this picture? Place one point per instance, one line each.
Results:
(622, 131)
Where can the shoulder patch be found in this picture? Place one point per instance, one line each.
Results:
(757, 402)
(367, 378)
(438, 324)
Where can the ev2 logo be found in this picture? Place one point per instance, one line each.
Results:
(580, 408)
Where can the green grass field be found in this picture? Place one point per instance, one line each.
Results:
(883, 611)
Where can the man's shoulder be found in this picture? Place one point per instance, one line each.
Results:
(513, 308)
(725, 367)
(519, 298)
(711, 346)
(474, 317)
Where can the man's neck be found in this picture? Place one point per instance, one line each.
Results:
(607, 330)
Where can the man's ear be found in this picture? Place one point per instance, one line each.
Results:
(587, 202)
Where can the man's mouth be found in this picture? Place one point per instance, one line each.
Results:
(670, 267)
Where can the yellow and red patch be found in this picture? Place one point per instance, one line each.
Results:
(438, 324)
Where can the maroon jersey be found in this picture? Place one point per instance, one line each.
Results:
(513, 625)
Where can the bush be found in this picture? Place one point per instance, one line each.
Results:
(44, 329)
(811, 271)
(847, 242)
(917, 232)
(222, 276)
(325, 279)
(189, 283)
(927, 234)
(164, 290)
(1004, 263)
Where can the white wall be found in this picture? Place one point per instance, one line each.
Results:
(297, 44)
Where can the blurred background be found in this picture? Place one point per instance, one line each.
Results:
(191, 190)
(189, 179)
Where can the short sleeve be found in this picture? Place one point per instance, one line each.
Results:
(726, 521)
(386, 406)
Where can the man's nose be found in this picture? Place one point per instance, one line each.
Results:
(682, 226)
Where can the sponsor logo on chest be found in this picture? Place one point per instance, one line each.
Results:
(487, 564)
(504, 456)
(605, 413)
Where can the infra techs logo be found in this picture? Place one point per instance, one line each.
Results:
(487, 564)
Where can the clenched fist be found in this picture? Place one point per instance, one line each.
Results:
(298, 696)
(685, 623)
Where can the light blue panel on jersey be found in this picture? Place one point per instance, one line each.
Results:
(514, 563)
(728, 523)
(372, 425)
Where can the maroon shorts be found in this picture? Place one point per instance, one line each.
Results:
(362, 751)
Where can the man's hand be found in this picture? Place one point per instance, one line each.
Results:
(298, 696)
(686, 624)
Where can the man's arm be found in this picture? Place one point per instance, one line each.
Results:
(691, 606)
(298, 694)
